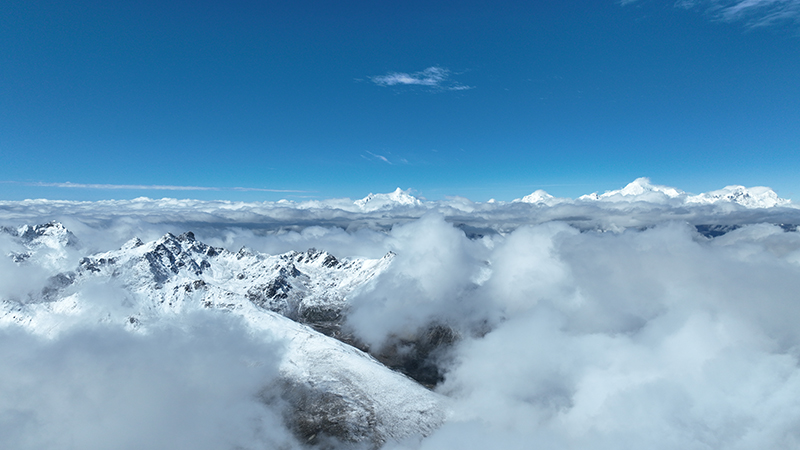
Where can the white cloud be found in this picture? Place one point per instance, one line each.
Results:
(185, 386)
(434, 77)
(756, 13)
(583, 324)
(653, 338)
(374, 156)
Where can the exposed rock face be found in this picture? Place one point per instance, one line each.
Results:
(332, 391)
(419, 356)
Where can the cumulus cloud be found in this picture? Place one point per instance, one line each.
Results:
(435, 267)
(100, 387)
(615, 210)
(586, 324)
(655, 338)
(433, 77)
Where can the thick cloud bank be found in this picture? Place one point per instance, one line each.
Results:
(638, 318)
(644, 339)
(99, 387)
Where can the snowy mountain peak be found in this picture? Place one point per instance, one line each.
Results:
(50, 243)
(52, 234)
(754, 197)
(538, 196)
(330, 389)
(639, 189)
(641, 186)
(133, 243)
(399, 197)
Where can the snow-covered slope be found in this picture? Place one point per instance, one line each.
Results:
(375, 202)
(331, 387)
(50, 242)
(539, 197)
(171, 271)
(641, 190)
(754, 197)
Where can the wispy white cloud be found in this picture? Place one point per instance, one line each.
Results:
(153, 187)
(373, 156)
(755, 13)
(434, 77)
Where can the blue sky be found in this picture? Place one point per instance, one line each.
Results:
(267, 100)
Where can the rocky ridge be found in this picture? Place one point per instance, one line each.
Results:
(333, 390)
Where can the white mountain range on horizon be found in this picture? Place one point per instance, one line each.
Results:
(461, 307)
(639, 190)
(642, 190)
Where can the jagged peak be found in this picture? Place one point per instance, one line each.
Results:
(133, 243)
(52, 234)
(170, 238)
(187, 236)
(244, 252)
(398, 197)
(753, 197)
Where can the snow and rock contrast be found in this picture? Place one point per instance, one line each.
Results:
(332, 391)
(754, 197)
(580, 324)
(51, 241)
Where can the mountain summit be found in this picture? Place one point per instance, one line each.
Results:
(375, 202)
(331, 389)
(642, 190)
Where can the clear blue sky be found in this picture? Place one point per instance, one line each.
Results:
(339, 99)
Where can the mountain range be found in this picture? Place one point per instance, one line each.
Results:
(333, 389)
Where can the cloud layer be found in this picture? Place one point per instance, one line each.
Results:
(99, 387)
(644, 339)
(593, 324)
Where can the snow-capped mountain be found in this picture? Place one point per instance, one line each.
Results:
(375, 202)
(51, 243)
(754, 197)
(538, 197)
(309, 286)
(641, 189)
(332, 388)
(52, 234)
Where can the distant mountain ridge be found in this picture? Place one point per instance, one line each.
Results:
(642, 190)
(399, 197)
